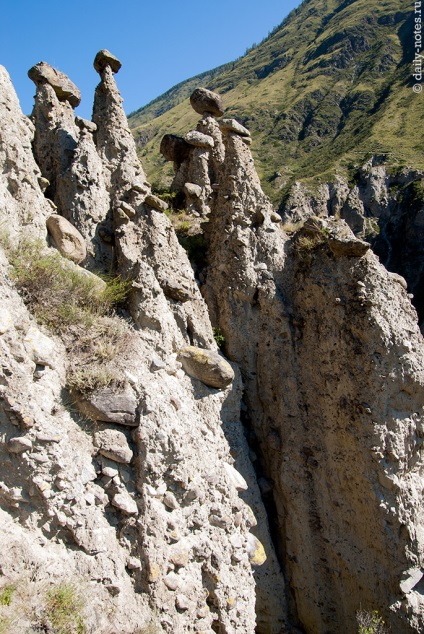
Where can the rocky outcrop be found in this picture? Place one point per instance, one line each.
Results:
(151, 511)
(22, 203)
(317, 327)
(382, 204)
(160, 503)
(198, 157)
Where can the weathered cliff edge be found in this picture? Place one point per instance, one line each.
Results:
(332, 362)
(144, 510)
(144, 515)
(383, 203)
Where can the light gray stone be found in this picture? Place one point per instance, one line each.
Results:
(20, 444)
(198, 139)
(156, 202)
(125, 503)
(40, 347)
(67, 238)
(113, 444)
(207, 366)
(110, 405)
(64, 88)
(231, 125)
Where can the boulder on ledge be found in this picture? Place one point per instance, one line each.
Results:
(67, 239)
(207, 366)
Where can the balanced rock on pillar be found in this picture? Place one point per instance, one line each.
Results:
(105, 58)
(203, 100)
(65, 89)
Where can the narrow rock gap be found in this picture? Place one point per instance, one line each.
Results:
(266, 489)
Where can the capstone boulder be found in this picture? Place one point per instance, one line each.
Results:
(65, 89)
(203, 100)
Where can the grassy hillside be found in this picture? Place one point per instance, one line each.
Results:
(329, 86)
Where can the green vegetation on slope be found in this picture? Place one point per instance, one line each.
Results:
(328, 88)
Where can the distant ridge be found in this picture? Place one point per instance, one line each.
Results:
(330, 86)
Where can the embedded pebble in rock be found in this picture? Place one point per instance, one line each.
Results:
(182, 602)
(40, 347)
(198, 139)
(170, 501)
(85, 124)
(110, 405)
(64, 88)
(348, 247)
(191, 189)
(19, 444)
(125, 503)
(410, 579)
(206, 366)
(6, 320)
(172, 581)
(156, 202)
(203, 100)
(133, 563)
(66, 238)
(113, 444)
(235, 477)
(255, 550)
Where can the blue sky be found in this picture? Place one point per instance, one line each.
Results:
(159, 43)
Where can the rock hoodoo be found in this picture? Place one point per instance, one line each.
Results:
(322, 300)
(172, 514)
(155, 521)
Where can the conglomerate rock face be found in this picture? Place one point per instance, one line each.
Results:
(332, 362)
(147, 514)
(160, 510)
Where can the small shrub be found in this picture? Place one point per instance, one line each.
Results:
(370, 623)
(219, 337)
(309, 243)
(62, 610)
(91, 378)
(6, 594)
(76, 306)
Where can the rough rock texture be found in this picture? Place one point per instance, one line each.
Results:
(384, 206)
(255, 290)
(162, 511)
(335, 415)
(145, 514)
(64, 88)
(65, 151)
(197, 160)
(22, 204)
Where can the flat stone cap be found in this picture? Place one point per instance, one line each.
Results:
(105, 58)
(65, 89)
(203, 100)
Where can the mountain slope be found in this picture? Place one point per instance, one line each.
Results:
(329, 86)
